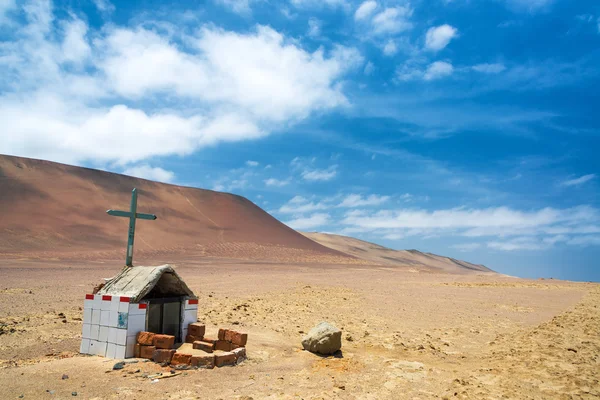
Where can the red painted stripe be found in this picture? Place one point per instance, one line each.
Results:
(89, 297)
(193, 301)
(143, 306)
(125, 299)
(106, 298)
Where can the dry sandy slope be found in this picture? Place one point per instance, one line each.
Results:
(50, 210)
(412, 259)
(406, 335)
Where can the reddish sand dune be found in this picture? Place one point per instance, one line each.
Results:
(54, 210)
(412, 259)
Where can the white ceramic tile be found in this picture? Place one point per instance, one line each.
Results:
(105, 305)
(112, 335)
(134, 309)
(113, 318)
(88, 303)
(85, 331)
(120, 351)
(121, 337)
(101, 349)
(110, 350)
(87, 315)
(94, 332)
(104, 318)
(130, 347)
(123, 307)
(84, 348)
(135, 324)
(103, 334)
(96, 316)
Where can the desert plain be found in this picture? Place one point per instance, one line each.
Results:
(414, 325)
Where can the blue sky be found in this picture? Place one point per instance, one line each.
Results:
(460, 127)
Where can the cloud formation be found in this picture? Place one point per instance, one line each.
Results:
(579, 181)
(145, 171)
(68, 98)
(438, 37)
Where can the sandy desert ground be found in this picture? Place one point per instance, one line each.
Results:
(415, 325)
(406, 334)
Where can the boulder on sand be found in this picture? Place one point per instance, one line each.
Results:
(323, 339)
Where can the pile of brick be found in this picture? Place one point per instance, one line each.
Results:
(231, 344)
(153, 346)
(228, 349)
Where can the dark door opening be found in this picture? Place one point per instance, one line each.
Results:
(164, 316)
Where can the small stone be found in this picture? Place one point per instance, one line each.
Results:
(119, 365)
(349, 338)
(73, 394)
(65, 376)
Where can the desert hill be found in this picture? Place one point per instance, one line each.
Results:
(377, 254)
(51, 210)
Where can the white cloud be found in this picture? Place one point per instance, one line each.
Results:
(530, 6)
(314, 27)
(369, 68)
(75, 47)
(579, 181)
(365, 10)
(585, 241)
(251, 163)
(356, 200)
(220, 87)
(525, 243)
(392, 20)
(145, 171)
(320, 174)
(542, 226)
(295, 207)
(438, 37)
(6, 6)
(390, 48)
(237, 6)
(437, 70)
(466, 247)
(317, 4)
(277, 182)
(495, 68)
(315, 220)
(104, 6)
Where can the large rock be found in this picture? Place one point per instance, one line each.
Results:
(323, 339)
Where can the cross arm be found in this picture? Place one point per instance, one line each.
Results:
(127, 214)
(145, 216)
(117, 213)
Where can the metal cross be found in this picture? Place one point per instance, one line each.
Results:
(132, 214)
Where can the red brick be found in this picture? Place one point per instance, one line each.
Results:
(222, 333)
(239, 339)
(147, 352)
(192, 339)
(164, 341)
(203, 361)
(204, 346)
(181, 359)
(223, 345)
(240, 354)
(136, 350)
(209, 339)
(228, 335)
(162, 355)
(196, 329)
(226, 358)
(145, 338)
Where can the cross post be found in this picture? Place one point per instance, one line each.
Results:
(132, 214)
